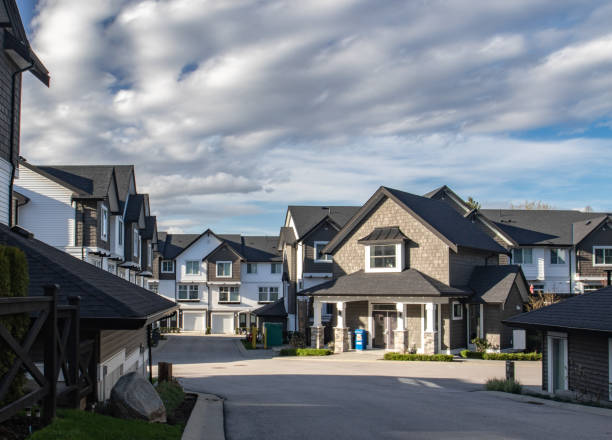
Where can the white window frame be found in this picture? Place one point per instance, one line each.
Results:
(604, 256)
(153, 286)
(104, 222)
(550, 336)
(250, 267)
(557, 251)
(171, 265)
(149, 255)
(456, 317)
(522, 255)
(135, 241)
(326, 258)
(189, 288)
(398, 259)
(278, 265)
(119, 231)
(217, 269)
(197, 265)
(229, 294)
(267, 290)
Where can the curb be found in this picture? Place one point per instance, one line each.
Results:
(527, 398)
(206, 420)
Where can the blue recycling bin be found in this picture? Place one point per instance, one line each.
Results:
(361, 339)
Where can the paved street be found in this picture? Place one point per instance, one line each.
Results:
(354, 397)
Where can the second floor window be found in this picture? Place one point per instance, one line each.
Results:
(383, 256)
(276, 268)
(104, 223)
(187, 291)
(522, 256)
(557, 256)
(229, 294)
(320, 257)
(251, 267)
(167, 266)
(192, 267)
(224, 269)
(602, 256)
(136, 241)
(120, 232)
(149, 255)
(268, 294)
(154, 286)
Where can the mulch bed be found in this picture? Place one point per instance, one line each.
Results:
(183, 411)
(18, 427)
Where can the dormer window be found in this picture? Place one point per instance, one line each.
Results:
(383, 256)
(319, 256)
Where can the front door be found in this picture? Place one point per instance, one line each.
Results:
(557, 363)
(385, 323)
(474, 324)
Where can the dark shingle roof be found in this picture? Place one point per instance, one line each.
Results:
(276, 308)
(538, 227)
(583, 228)
(174, 244)
(492, 284)
(384, 235)
(287, 236)
(591, 311)
(135, 205)
(124, 175)
(261, 249)
(103, 295)
(306, 217)
(91, 180)
(409, 282)
(149, 230)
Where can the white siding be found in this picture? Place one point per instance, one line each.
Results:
(166, 289)
(249, 289)
(196, 252)
(554, 277)
(5, 184)
(49, 213)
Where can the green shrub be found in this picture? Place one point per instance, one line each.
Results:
(171, 393)
(505, 385)
(467, 354)
(418, 357)
(14, 281)
(305, 352)
(513, 356)
(482, 345)
(247, 344)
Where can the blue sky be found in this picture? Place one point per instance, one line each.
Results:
(232, 110)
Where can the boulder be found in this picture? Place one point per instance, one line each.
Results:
(133, 397)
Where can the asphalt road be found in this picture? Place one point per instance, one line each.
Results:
(351, 398)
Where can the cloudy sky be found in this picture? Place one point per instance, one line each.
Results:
(233, 109)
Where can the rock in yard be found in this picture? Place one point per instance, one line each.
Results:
(133, 397)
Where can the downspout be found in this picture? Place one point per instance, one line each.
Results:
(12, 138)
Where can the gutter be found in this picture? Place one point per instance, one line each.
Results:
(115, 323)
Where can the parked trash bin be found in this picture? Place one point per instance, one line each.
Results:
(361, 339)
(273, 332)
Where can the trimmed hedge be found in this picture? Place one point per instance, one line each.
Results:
(305, 352)
(466, 354)
(418, 357)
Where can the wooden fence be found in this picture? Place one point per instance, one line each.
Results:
(57, 329)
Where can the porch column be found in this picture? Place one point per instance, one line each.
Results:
(341, 336)
(316, 331)
(430, 335)
(370, 327)
(400, 335)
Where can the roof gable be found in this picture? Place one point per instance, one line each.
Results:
(492, 284)
(305, 218)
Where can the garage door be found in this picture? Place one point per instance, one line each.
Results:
(222, 323)
(193, 321)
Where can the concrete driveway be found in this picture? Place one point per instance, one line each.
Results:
(352, 397)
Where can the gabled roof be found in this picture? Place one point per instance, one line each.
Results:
(175, 244)
(124, 174)
(529, 227)
(16, 42)
(590, 311)
(437, 216)
(287, 236)
(409, 282)
(149, 232)
(306, 218)
(443, 191)
(275, 309)
(261, 248)
(232, 246)
(492, 284)
(583, 228)
(384, 235)
(135, 206)
(92, 181)
(107, 301)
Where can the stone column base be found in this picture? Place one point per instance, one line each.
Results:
(316, 337)
(341, 339)
(430, 342)
(400, 340)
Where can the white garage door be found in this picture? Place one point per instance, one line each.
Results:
(193, 321)
(222, 323)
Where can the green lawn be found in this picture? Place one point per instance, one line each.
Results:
(81, 425)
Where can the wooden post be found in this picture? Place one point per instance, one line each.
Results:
(509, 370)
(254, 337)
(74, 344)
(164, 371)
(50, 356)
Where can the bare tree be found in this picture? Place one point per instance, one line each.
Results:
(587, 208)
(533, 205)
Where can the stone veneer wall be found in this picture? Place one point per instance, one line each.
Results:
(426, 252)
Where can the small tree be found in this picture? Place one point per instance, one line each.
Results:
(473, 204)
(14, 281)
(535, 205)
(539, 300)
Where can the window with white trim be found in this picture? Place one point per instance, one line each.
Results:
(167, 266)
(224, 269)
(592, 287)
(558, 256)
(135, 241)
(149, 255)
(268, 294)
(457, 311)
(229, 294)
(251, 267)
(120, 232)
(276, 268)
(602, 255)
(104, 223)
(154, 286)
(319, 256)
(192, 267)
(538, 288)
(187, 292)
(383, 256)
(522, 256)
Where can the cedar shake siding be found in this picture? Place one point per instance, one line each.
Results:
(510, 309)
(356, 315)
(325, 232)
(112, 341)
(462, 265)
(584, 253)
(588, 364)
(425, 252)
(224, 253)
(88, 224)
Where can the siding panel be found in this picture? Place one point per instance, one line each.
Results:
(112, 341)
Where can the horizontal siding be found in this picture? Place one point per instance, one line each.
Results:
(49, 213)
(588, 364)
(585, 253)
(325, 232)
(5, 182)
(113, 341)
(223, 254)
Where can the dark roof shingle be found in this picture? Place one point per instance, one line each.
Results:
(384, 235)
(275, 309)
(492, 284)
(307, 217)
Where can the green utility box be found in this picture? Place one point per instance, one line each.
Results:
(273, 334)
